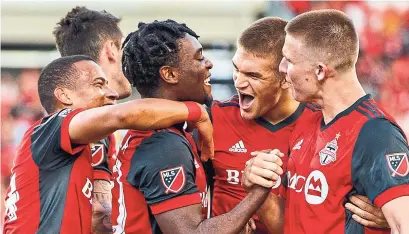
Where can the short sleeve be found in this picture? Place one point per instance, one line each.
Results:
(380, 162)
(51, 139)
(162, 169)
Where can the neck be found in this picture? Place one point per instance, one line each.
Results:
(164, 93)
(285, 107)
(338, 93)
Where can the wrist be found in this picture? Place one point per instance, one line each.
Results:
(194, 111)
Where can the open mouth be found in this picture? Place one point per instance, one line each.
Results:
(245, 100)
(207, 81)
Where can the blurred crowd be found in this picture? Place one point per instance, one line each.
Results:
(383, 69)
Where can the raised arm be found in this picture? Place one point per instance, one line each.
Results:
(142, 114)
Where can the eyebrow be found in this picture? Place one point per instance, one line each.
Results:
(101, 79)
(254, 74)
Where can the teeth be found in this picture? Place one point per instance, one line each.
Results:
(206, 82)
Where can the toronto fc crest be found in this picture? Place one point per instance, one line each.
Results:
(329, 153)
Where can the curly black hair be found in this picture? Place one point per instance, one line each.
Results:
(149, 48)
(83, 31)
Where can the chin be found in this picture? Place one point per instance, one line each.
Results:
(208, 100)
(247, 115)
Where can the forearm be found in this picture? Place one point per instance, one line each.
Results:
(142, 114)
(236, 219)
(102, 207)
(271, 213)
(397, 215)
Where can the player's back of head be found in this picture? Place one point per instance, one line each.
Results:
(59, 73)
(84, 31)
(330, 34)
(149, 48)
(264, 38)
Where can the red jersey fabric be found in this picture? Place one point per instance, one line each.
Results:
(235, 138)
(361, 151)
(155, 171)
(51, 182)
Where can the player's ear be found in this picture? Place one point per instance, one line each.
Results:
(284, 84)
(110, 51)
(169, 74)
(63, 96)
(321, 71)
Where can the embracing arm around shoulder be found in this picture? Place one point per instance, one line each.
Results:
(142, 114)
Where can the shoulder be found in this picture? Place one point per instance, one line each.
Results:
(162, 143)
(381, 127)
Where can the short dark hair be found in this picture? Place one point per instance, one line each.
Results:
(59, 73)
(265, 38)
(84, 31)
(149, 48)
(328, 31)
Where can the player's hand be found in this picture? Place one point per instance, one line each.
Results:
(205, 129)
(264, 169)
(250, 227)
(365, 213)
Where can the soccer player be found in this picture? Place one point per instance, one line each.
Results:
(97, 35)
(160, 185)
(352, 147)
(51, 183)
(261, 116)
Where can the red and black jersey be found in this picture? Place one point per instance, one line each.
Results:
(361, 151)
(235, 138)
(103, 157)
(156, 171)
(51, 183)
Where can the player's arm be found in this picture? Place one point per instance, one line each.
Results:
(178, 209)
(380, 170)
(143, 114)
(102, 207)
(271, 213)
(366, 213)
(189, 219)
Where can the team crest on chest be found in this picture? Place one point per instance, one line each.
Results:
(398, 163)
(173, 179)
(329, 153)
(97, 151)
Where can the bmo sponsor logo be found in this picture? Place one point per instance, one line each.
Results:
(315, 186)
(234, 177)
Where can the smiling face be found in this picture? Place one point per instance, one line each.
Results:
(193, 72)
(257, 82)
(91, 88)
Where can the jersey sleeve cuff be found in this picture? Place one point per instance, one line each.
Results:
(66, 144)
(175, 203)
(391, 193)
(100, 174)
